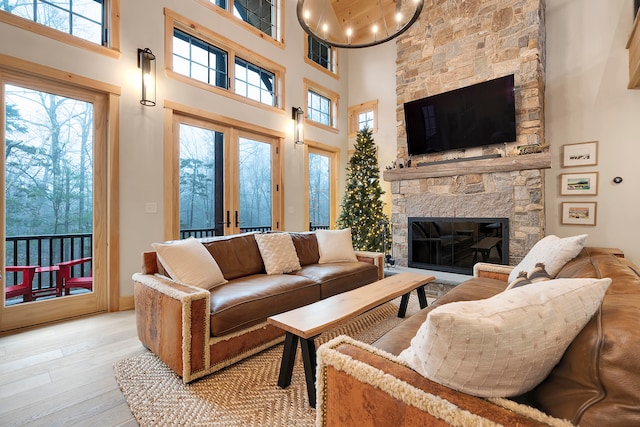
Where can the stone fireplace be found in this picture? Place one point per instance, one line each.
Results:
(456, 44)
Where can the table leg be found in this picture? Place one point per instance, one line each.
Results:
(404, 301)
(422, 297)
(309, 361)
(288, 358)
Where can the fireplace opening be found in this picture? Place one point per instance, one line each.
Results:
(455, 244)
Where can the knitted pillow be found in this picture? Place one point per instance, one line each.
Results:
(278, 253)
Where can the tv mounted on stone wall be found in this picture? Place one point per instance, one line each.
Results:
(472, 116)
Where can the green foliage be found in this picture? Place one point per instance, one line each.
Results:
(362, 205)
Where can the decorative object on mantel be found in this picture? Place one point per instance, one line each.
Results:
(522, 150)
(580, 154)
(349, 24)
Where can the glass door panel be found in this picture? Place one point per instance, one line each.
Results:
(255, 185)
(201, 182)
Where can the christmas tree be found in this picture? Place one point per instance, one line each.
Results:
(361, 206)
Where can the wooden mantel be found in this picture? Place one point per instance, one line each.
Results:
(502, 164)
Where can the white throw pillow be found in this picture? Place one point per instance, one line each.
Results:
(507, 344)
(553, 251)
(335, 246)
(188, 261)
(278, 253)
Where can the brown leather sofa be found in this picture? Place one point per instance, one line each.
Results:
(197, 331)
(596, 383)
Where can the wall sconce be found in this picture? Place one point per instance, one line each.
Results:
(147, 64)
(297, 114)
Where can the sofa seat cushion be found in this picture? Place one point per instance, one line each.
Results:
(250, 300)
(338, 277)
(399, 338)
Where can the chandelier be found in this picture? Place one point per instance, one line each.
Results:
(355, 24)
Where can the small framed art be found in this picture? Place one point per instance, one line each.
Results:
(581, 154)
(583, 213)
(579, 184)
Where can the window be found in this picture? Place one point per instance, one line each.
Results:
(321, 55)
(201, 61)
(254, 82)
(90, 21)
(321, 178)
(363, 115)
(322, 105)
(205, 59)
(319, 108)
(262, 16)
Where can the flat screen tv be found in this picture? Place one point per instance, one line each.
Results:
(473, 116)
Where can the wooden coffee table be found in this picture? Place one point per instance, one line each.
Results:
(306, 323)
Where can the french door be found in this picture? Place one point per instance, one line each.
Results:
(229, 180)
(321, 176)
(54, 206)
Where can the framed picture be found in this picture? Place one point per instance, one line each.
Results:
(581, 154)
(579, 184)
(579, 213)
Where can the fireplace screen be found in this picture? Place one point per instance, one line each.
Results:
(456, 244)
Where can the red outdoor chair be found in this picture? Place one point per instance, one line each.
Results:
(25, 287)
(67, 281)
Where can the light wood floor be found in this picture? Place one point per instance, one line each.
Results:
(62, 374)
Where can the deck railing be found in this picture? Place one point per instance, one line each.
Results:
(47, 251)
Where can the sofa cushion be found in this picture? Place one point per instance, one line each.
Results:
(237, 255)
(338, 277)
(278, 253)
(335, 246)
(507, 344)
(250, 300)
(306, 246)
(553, 251)
(188, 261)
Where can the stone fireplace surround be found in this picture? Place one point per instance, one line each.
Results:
(509, 187)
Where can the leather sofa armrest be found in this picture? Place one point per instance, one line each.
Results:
(361, 385)
(492, 271)
(172, 320)
(375, 258)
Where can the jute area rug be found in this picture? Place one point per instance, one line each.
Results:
(244, 394)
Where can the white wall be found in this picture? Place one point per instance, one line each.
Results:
(372, 75)
(587, 100)
(141, 128)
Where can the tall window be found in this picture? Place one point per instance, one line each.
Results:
(81, 18)
(321, 171)
(194, 58)
(255, 185)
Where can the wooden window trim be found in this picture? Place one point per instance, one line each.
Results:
(356, 110)
(248, 27)
(233, 49)
(327, 93)
(113, 24)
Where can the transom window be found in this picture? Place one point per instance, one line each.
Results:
(80, 18)
(264, 15)
(319, 108)
(254, 82)
(199, 60)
